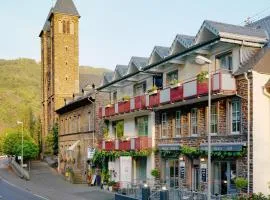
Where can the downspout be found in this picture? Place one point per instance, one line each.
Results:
(248, 134)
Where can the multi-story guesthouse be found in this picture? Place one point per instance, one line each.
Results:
(161, 103)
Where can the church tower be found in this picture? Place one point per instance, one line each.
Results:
(59, 60)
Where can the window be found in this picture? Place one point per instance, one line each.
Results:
(139, 89)
(68, 27)
(164, 125)
(171, 77)
(178, 124)
(115, 97)
(194, 121)
(142, 126)
(64, 26)
(235, 116)
(214, 119)
(225, 61)
(118, 128)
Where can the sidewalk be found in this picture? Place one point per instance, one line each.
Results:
(46, 182)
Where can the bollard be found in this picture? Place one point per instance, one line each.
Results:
(145, 193)
(164, 195)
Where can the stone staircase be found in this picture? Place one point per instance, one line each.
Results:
(78, 177)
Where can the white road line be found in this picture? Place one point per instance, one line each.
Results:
(11, 184)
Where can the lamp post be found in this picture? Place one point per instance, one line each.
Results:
(202, 60)
(18, 122)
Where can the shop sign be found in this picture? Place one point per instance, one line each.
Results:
(173, 147)
(204, 172)
(182, 169)
(222, 147)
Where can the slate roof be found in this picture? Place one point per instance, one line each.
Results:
(263, 23)
(140, 62)
(162, 51)
(108, 76)
(121, 69)
(66, 7)
(185, 40)
(219, 28)
(259, 62)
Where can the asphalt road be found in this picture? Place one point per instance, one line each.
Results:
(11, 192)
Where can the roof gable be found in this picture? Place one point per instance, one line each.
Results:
(211, 29)
(158, 54)
(181, 43)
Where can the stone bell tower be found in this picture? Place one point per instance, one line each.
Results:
(59, 60)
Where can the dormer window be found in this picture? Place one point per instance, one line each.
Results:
(225, 61)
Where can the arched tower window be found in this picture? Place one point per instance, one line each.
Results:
(64, 26)
(68, 27)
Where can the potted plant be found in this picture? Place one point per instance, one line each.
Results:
(241, 183)
(126, 98)
(153, 90)
(111, 184)
(175, 83)
(202, 76)
(155, 173)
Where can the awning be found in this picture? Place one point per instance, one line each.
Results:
(72, 147)
(169, 147)
(232, 147)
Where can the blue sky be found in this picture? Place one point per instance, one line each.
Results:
(111, 31)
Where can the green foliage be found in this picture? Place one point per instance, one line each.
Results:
(155, 173)
(202, 76)
(241, 183)
(51, 141)
(174, 82)
(191, 152)
(12, 144)
(100, 157)
(20, 91)
(126, 98)
(154, 88)
(120, 129)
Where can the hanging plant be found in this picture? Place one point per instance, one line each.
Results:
(202, 76)
(191, 152)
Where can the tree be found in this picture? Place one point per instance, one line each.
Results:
(51, 141)
(12, 145)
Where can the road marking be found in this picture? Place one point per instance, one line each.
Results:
(40, 196)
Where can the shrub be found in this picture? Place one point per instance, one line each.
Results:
(155, 173)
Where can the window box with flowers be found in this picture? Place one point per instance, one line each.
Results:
(153, 90)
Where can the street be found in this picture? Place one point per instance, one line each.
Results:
(45, 183)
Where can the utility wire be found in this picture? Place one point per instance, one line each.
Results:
(257, 16)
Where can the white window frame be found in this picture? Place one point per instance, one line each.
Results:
(237, 112)
(214, 119)
(178, 124)
(164, 125)
(194, 121)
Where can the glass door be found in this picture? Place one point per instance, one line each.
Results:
(196, 178)
(172, 173)
(223, 174)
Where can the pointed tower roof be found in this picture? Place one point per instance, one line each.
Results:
(66, 7)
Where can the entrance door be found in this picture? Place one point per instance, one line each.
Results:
(141, 169)
(172, 173)
(196, 178)
(223, 174)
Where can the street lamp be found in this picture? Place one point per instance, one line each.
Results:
(202, 60)
(21, 123)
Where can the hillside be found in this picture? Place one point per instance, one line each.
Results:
(20, 89)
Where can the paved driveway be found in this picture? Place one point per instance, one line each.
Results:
(50, 185)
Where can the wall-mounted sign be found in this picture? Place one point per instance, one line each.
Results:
(182, 166)
(204, 172)
(169, 147)
(222, 147)
(90, 152)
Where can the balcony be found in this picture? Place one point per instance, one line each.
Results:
(222, 83)
(140, 102)
(133, 144)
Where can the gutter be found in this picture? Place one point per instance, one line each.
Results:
(195, 47)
